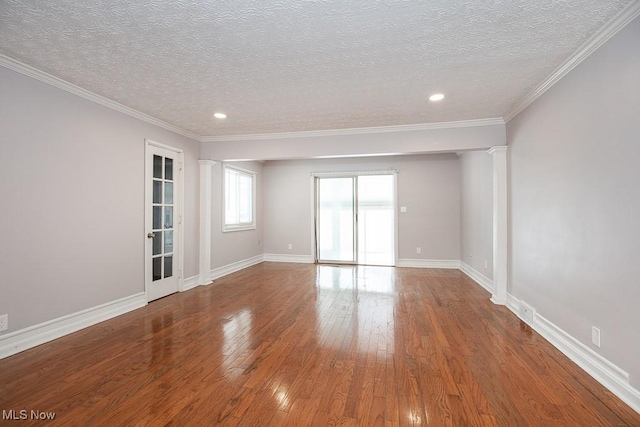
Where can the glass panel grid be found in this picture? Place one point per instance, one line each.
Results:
(156, 268)
(157, 191)
(162, 217)
(168, 169)
(157, 166)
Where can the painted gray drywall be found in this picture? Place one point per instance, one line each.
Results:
(72, 231)
(476, 212)
(234, 246)
(428, 185)
(575, 202)
(403, 142)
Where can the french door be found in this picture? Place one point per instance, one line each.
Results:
(355, 218)
(163, 222)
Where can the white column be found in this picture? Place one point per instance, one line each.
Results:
(205, 221)
(500, 255)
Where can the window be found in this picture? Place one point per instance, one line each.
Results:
(239, 199)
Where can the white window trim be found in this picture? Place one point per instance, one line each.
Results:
(241, 227)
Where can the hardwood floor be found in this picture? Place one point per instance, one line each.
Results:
(298, 344)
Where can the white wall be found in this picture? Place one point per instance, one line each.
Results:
(476, 212)
(230, 247)
(72, 191)
(428, 185)
(575, 203)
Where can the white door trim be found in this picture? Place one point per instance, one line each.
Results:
(178, 214)
(314, 206)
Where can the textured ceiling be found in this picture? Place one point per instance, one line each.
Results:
(281, 66)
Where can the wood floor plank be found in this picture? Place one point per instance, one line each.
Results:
(306, 345)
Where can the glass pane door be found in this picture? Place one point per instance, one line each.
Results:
(335, 222)
(162, 223)
(376, 222)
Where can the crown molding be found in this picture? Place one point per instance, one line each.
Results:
(29, 71)
(611, 28)
(356, 131)
(32, 72)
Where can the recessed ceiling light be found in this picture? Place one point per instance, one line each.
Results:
(220, 115)
(436, 97)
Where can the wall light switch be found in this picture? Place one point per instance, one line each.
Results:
(290, 246)
(403, 209)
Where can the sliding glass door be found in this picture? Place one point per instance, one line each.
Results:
(376, 219)
(335, 219)
(355, 219)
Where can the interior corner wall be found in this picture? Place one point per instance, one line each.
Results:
(476, 212)
(575, 204)
(428, 185)
(72, 189)
(234, 246)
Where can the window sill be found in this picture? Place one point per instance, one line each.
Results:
(230, 228)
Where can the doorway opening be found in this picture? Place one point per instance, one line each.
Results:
(355, 218)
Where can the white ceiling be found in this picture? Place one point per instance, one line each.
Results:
(284, 66)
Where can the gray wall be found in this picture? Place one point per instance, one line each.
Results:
(575, 203)
(324, 144)
(476, 212)
(72, 194)
(428, 185)
(233, 246)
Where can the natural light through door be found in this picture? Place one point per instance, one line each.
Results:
(336, 215)
(355, 219)
(376, 220)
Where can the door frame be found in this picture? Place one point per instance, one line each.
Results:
(347, 174)
(178, 213)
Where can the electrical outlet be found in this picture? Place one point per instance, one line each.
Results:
(4, 322)
(403, 209)
(290, 245)
(418, 250)
(527, 313)
(595, 336)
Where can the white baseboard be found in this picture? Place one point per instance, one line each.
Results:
(477, 277)
(513, 304)
(300, 259)
(602, 370)
(216, 273)
(429, 263)
(190, 283)
(33, 336)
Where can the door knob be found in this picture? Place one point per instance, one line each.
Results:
(151, 235)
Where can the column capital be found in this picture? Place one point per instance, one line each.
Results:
(497, 149)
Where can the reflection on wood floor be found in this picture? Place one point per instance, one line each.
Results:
(295, 344)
